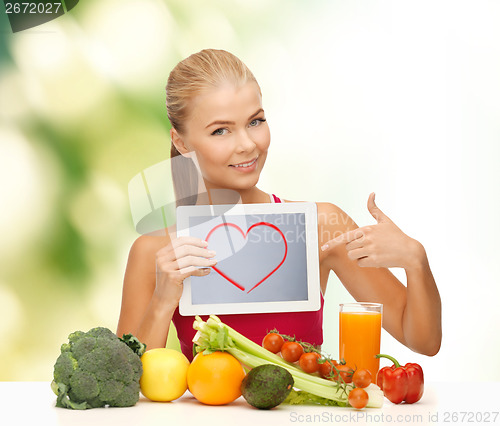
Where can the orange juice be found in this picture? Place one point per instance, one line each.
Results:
(360, 339)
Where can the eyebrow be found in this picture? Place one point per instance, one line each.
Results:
(219, 122)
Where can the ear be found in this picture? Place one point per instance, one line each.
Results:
(178, 142)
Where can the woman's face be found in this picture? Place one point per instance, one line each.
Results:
(227, 130)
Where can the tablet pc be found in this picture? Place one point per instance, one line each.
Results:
(267, 258)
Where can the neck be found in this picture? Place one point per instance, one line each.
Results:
(232, 196)
(253, 195)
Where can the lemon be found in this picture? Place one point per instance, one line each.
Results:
(164, 376)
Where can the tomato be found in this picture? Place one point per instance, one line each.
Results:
(358, 398)
(273, 342)
(325, 368)
(291, 351)
(309, 362)
(362, 378)
(345, 373)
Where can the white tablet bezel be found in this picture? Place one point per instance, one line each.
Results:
(312, 303)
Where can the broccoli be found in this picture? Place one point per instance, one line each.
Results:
(96, 369)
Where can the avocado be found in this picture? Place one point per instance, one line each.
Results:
(266, 386)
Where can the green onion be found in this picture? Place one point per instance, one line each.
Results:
(213, 335)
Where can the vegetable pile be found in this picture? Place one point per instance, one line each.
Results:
(96, 369)
(213, 335)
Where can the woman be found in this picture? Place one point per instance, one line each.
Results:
(214, 105)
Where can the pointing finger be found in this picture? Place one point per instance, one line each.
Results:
(345, 238)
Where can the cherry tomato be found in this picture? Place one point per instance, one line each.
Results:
(362, 378)
(309, 362)
(291, 351)
(273, 342)
(325, 368)
(345, 373)
(358, 398)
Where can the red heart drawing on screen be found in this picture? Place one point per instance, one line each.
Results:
(245, 235)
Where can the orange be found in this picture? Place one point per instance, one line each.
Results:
(215, 379)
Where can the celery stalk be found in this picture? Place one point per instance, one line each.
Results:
(214, 335)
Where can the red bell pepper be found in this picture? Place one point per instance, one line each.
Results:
(401, 383)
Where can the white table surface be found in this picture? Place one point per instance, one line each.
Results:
(25, 403)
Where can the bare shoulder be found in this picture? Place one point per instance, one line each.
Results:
(332, 221)
(146, 246)
(330, 214)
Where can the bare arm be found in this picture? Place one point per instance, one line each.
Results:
(142, 314)
(360, 258)
(152, 287)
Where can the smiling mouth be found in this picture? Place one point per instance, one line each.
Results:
(250, 163)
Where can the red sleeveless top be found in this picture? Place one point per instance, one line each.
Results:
(305, 326)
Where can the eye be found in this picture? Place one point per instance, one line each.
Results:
(219, 132)
(256, 121)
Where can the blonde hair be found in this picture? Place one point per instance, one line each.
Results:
(192, 76)
(200, 72)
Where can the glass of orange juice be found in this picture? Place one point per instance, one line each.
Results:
(360, 326)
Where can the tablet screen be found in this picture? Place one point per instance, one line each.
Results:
(260, 258)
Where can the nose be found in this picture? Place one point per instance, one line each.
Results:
(245, 142)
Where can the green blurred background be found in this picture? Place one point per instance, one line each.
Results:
(393, 97)
(83, 111)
